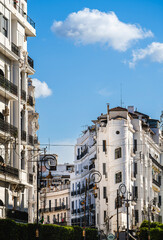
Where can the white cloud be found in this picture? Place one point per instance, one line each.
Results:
(92, 26)
(154, 52)
(41, 88)
(104, 92)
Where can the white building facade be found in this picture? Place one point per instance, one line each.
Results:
(129, 151)
(55, 195)
(18, 119)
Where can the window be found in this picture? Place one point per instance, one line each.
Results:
(104, 192)
(23, 160)
(50, 205)
(48, 219)
(55, 202)
(66, 202)
(4, 26)
(135, 192)
(104, 168)
(104, 145)
(73, 205)
(54, 219)
(64, 217)
(104, 216)
(118, 153)
(118, 203)
(60, 202)
(136, 216)
(135, 145)
(118, 177)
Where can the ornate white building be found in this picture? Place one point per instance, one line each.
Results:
(18, 119)
(128, 150)
(55, 194)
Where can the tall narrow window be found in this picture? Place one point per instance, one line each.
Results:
(55, 202)
(104, 216)
(104, 145)
(118, 153)
(5, 26)
(118, 177)
(66, 202)
(135, 145)
(104, 168)
(136, 216)
(104, 192)
(49, 205)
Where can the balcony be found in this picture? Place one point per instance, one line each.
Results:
(155, 162)
(17, 215)
(30, 101)
(156, 183)
(10, 171)
(15, 49)
(7, 85)
(82, 154)
(23, 135)
(8, 128)
(30, 62)
(23, 94)
(21, 11)
(30, 140)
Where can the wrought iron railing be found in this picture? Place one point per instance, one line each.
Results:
(9, 86)
(10, 171)
(23, 94)
(30, 62)
(8, 128)
(15, 49)
(21, 11)
(30, 139)
(156, 183)
(30, 101)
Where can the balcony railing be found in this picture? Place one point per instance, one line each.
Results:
(8, 128)
(155, 162)
(30, 140)
(10, 171)
(21, 11)
(156, 183)
(17, 215)
(30, 101)
(9, 86)
(30, 62)
(23, 94)
(23, 135)
(82, 154)
(15, 49)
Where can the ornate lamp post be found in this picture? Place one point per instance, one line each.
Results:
(48, 160)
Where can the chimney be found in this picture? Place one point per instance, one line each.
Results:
(108, 108)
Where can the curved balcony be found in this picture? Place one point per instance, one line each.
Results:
(8, 128)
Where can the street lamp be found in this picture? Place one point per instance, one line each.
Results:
(48, 160)
(96, 176)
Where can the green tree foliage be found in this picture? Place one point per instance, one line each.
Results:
(156, 230)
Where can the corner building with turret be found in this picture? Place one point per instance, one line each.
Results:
(126, 148)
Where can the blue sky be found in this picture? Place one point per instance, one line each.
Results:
(85, 67)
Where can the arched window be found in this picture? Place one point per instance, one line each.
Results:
(1, 159)
(118, 153)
